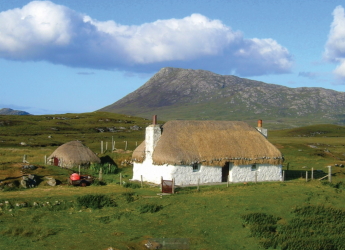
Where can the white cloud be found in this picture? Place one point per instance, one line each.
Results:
(335, 46)
(340, 70)
(42, 30)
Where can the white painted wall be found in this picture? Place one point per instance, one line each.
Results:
(183, 175)
(152, 135)
(264, 172)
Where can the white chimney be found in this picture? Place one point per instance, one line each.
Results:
(262, 130)
(152, 135)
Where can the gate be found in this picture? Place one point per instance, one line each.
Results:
(167, 186)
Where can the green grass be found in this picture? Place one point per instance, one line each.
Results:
(125, 216)
(209, 219)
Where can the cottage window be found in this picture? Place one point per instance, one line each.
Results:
(196, 167)
(254, 167)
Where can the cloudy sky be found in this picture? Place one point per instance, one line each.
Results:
(77, 56)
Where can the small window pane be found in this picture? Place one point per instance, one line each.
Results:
(196, 167)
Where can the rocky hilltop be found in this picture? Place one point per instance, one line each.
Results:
(7, 111)
(175, 93)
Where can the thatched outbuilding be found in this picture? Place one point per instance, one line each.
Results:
(72, 154)
(206, 151)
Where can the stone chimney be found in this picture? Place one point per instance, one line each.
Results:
(152, 135)
(262, 130)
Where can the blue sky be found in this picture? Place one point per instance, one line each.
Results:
(67, 56)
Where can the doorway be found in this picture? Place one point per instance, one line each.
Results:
(225, 171)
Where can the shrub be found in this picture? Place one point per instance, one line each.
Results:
(95, 201)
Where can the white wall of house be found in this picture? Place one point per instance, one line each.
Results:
(263, 172)
(183, 175)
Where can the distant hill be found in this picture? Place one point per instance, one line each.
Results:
(175, 93)
(7, 111)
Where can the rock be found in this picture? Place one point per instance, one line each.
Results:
(51, 181)
(31, 167)
(28, 181)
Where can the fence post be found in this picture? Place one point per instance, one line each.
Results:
(120, 179)
(198, 188)
(283, 179)
(112, 143)
(106, 146)
(125, 145)
(312, 173)
(173, 186)
(45, 160)
(306, 176)
(79, 169)
(330, 173)
(141, 181)
(101, 147)
(227, 181)
(100, 177)
(256, 176)
(162, 184)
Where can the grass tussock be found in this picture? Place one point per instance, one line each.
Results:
(313, 227)
(97, 201)
(149, 208)
(34, 232)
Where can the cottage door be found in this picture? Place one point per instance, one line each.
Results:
(225, 171)
(56, 161)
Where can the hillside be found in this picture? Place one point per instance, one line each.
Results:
(8, 111)
(174, 93)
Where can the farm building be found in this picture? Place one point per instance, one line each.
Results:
(72, 154)
(206, 152)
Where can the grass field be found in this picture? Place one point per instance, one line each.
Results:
(127, 216)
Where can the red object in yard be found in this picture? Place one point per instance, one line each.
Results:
(75, 177)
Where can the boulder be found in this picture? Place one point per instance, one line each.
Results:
(51, 181)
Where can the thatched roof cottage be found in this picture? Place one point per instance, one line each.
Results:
(72, 154)
(206, 151)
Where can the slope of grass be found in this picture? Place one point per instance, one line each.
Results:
(208, 219)
(54, 217)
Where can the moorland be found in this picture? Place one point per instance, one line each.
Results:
(294, 214)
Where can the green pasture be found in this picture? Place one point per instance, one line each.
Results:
(124, 215)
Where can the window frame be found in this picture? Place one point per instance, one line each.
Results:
(196, 167)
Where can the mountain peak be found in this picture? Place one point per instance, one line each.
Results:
(175, 93)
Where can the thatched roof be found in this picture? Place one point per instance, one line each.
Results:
(212, 143)
(74, 153)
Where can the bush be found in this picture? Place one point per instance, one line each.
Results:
(95, 201)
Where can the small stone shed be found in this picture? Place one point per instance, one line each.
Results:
(72, 154)
(206, 152)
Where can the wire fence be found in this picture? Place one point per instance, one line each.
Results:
(294, 175)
